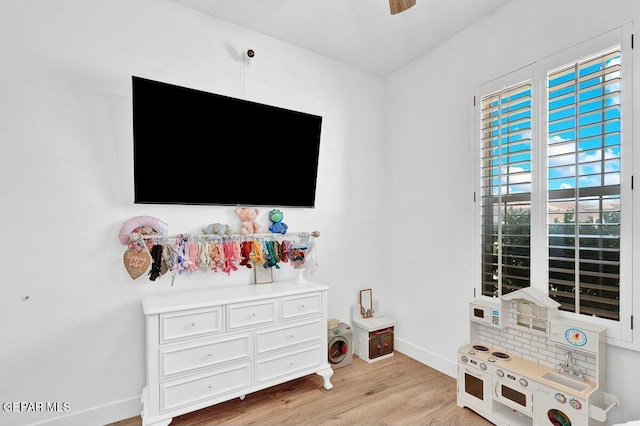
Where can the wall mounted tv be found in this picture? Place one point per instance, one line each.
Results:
(196, 147)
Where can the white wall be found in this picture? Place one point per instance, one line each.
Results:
(66, 184)
(431, 173)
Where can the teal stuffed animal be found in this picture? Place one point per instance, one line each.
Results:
(277, 226)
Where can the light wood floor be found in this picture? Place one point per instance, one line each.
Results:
(393, 391)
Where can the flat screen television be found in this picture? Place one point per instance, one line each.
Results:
(196, 147)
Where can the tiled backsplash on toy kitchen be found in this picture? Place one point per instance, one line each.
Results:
(533, 346)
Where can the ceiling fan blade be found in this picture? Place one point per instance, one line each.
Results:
(398, 6)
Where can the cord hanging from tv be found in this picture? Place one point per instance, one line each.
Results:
(196, 147)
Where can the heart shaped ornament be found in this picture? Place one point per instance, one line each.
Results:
(137, 263)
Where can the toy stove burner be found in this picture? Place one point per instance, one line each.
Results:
(481, 348)
(501, 355)
(478, 348)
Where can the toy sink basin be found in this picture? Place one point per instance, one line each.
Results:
(576, 385)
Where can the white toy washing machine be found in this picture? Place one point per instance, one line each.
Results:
(340, 340)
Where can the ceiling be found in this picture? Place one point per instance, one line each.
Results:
(361, 33)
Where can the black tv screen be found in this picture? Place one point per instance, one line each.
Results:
(196, 147)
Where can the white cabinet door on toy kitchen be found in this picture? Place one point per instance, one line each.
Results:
(474, 382)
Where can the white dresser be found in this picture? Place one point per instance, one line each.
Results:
(208, 346)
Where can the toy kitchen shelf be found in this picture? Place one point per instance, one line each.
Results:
(372, 337)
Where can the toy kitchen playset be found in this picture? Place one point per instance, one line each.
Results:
(527, 366)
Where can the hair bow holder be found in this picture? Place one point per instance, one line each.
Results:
(137, 259)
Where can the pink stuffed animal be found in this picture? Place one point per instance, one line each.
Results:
(248, 219)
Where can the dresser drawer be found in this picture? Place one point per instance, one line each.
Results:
(296, 361)
(177, 393)
(301, 306)
(272, 339)
(242, 315)
(189, 356)
(191, 323)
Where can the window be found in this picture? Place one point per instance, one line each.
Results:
(531, 317)
(555, 151)
(583, 169)
(506, 189)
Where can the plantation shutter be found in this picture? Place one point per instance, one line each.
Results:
(506, 189)
(584, 166)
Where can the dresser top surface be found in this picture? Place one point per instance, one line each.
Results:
(180, 300)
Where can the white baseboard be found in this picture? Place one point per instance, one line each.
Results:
(98, 416)
(422, 355)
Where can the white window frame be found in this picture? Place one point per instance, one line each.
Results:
(513, 79)
(619, 333)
